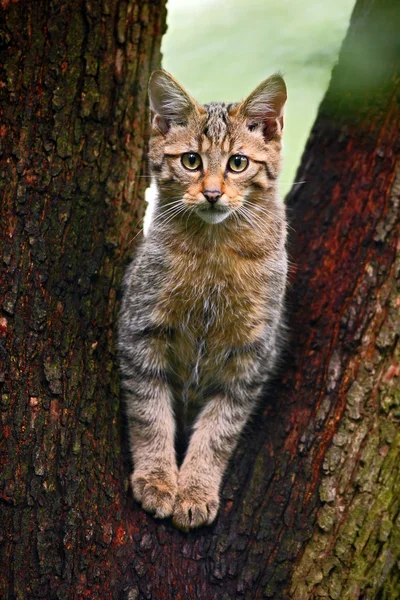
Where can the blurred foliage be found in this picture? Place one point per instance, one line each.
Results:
(222, 49)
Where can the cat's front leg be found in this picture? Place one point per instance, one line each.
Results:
(151, 431)
(214, 438)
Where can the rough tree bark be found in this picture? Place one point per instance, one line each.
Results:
(73, 117)
(311, 503)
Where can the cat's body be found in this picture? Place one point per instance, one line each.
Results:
(202, 308)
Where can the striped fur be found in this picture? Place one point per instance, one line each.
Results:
(201, 317)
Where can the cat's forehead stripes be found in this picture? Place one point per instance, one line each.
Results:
(217, 123)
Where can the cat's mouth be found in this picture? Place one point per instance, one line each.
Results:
(213, 214)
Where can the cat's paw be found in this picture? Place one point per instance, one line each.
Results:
(195, 506)
(156, 492)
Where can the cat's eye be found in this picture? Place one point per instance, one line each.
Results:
(191, 161)
(237, 163)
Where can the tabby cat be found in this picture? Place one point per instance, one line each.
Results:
(201, 316)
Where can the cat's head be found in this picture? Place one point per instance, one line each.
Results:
(212, 157)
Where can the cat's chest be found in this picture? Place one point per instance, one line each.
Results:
(215, 298)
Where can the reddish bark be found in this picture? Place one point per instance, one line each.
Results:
(311, 499)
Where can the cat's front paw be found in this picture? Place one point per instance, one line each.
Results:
(195, 505)
(155, 491)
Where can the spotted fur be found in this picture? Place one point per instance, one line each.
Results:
(201, 317)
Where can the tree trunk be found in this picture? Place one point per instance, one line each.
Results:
(311, 502)
(73, 120)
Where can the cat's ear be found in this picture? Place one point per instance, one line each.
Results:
(169, 102)
(264, 106)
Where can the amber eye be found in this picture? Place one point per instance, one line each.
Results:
(237, 163)
(191, 161)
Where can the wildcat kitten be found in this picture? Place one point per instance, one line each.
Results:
(202, 302)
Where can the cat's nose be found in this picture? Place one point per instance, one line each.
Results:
(212, 195)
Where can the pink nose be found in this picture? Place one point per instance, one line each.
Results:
(212, 195)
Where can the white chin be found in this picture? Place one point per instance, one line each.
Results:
(213, 216)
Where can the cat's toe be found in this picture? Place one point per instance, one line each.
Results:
(157, 496)
(190, 512)
(212, 510)
(138, 482)
(158, 499)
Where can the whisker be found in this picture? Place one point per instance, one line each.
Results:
(254, 220)
(292, 182)
(267, 212)
(160, 212)
(141, 229)
(163, 218)
(190, 212)
(134, 237)
(163, 222)
(161, 208)
(252, 213)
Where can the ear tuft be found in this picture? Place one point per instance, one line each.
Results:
(169, 102)
(264, 106)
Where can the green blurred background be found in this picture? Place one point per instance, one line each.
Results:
(222, 49)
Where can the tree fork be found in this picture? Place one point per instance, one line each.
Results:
(311, 503)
